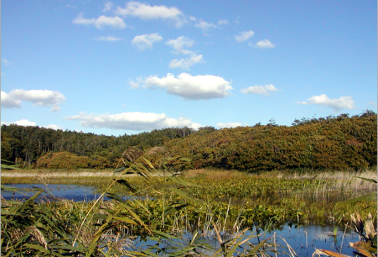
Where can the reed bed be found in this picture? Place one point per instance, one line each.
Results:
(270, 197)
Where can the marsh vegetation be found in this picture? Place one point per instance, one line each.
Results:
(203, 203)
(164, 194)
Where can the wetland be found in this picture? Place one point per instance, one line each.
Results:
(208, 206)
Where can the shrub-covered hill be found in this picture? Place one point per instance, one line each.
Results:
(336, 143)
(330, 143)
(26, 145)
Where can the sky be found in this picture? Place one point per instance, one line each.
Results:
(124, 67)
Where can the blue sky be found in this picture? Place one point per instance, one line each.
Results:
(116, 67)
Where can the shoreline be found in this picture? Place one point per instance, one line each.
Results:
(69, 174)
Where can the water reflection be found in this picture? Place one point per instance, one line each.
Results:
(302, 239)
(69, 192)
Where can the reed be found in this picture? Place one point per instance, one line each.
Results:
(101, 228)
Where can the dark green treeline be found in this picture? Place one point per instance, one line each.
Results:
(335, 143)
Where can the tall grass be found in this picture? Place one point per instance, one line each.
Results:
(100, 228)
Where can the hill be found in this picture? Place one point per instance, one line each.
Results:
(335, 143)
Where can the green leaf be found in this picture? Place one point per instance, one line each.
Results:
(184, 195)
(258, 246)
(367, 179)
(125, 219)
(364, 197)
(127, 184)
(100, 216)
(115, 197)
(149, 163)
(172, 209)
(164, 235)
(119, 169)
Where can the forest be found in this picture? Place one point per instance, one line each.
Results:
(336, 143)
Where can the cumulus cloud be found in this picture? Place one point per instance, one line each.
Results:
(6, 62)
(9, 102)
(265, 44)
(179, 45)
(101, 22)
(146, 40)
(223, 22)
(107, 6)
(244, 36)
(148, 12)
(52, 126)
(186, 63)
(132, 121)
(344, 102)
(25, 122)
(192, 18)
(108, 38)
(205, 26)
(188, 86)
(38, 97)
(262, 90)
(228, 125)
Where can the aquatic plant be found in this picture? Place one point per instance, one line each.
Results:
(367, 246)
(107, 228)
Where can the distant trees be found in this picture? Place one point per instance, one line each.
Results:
(28, 144)
(335, 143)
(341, 142)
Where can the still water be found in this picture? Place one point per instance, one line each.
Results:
(302, 239)
(69, 192)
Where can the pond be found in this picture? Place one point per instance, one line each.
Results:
(69, 192)
(303, 239)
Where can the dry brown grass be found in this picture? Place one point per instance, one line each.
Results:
(214, 174)
(45, 174)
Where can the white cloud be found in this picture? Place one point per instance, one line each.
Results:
(265, 44)
(228, 125)
(101, 22)
(179, 45)
(9, 102)
(205, 26)
(344, 102)
(37, 97)
(186, 63)
(52, 126)
(132, 121)
(22, 122)
(108, 38)
(243, 36)
(146, 40)
(372, 103)
(6, 62)
(262, 90)
(148, 12)
(107, 6)
(188, 86)
(192, 18)
(25, 122)
(223, 22)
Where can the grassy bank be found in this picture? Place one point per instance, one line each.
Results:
(270, 197)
